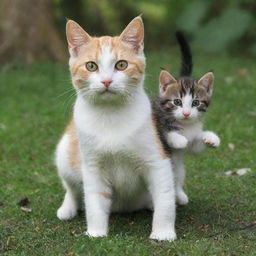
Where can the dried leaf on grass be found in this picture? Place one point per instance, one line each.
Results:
(251, 113)
(231, 146)
(203, 227)
(239, 172)
(10, 240)
(25, 209)
(243, 72)
(243, 171)
(229, 173)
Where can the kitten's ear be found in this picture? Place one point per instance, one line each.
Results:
(133, 34)
(207, 82)
(165, 79)
(76, 37)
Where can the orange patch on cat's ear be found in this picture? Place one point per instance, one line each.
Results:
(133, 34)
(76, 37)
(165, 79)
(207, 82)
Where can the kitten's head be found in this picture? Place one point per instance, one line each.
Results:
(186, 98)
(106, 70)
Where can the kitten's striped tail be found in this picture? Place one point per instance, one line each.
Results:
(187, 64)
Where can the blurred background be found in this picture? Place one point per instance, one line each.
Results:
(35, 30)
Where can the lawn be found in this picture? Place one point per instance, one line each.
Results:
(220, 219)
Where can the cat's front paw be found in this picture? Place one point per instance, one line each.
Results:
(177, 141)
(96, 233)
(211, 139)
(163, 235)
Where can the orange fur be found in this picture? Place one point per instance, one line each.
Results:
(106, 195)
(92, 50)
(73, 153)
(158, 141)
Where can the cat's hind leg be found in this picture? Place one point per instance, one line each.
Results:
(71, 180)
(70, 204)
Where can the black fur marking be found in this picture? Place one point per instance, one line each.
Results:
(187, 64)
(183, 90)
(207, 103)
(164, 121)
(192, 91)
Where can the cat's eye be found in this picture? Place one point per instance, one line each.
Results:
(91, 66)
(195, 103)
(121, 65)
(177, 102)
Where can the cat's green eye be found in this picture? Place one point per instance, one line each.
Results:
(121, 65)
(177, 102)
(91, 66)
(195, 103)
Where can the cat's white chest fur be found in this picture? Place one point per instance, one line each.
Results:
(113, 130)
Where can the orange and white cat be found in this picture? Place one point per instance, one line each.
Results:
(110, 151)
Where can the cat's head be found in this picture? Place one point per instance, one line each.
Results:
(107, 69)
(186, 98)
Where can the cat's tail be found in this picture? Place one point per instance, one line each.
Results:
(187, 64)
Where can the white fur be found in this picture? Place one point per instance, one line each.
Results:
(120, 158)
(176, 140)
(186, 107)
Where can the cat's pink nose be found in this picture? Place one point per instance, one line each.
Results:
(186, 114)
(107, 83)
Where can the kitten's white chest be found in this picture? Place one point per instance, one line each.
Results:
(191, 131)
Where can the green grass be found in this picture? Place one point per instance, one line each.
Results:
(35, 105)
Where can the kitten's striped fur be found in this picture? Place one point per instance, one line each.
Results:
(178, 109)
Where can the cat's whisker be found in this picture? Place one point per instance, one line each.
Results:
(67, 101)
(71, 89)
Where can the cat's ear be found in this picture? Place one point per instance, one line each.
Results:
(76, 37)
(207, 82)
(133, 34)
(165, 79)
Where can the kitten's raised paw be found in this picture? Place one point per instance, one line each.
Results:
(65, 213)
(211, 139)
(94, 233)
(181, 198)
(163, 235)
(177, 141)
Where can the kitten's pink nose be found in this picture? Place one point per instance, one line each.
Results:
(107, 83)
(186, 114)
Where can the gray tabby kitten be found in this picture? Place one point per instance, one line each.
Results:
(178, 110)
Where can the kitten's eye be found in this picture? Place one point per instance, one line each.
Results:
(195, 103)
(121, 65)
(177, 102)
(91, 66)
